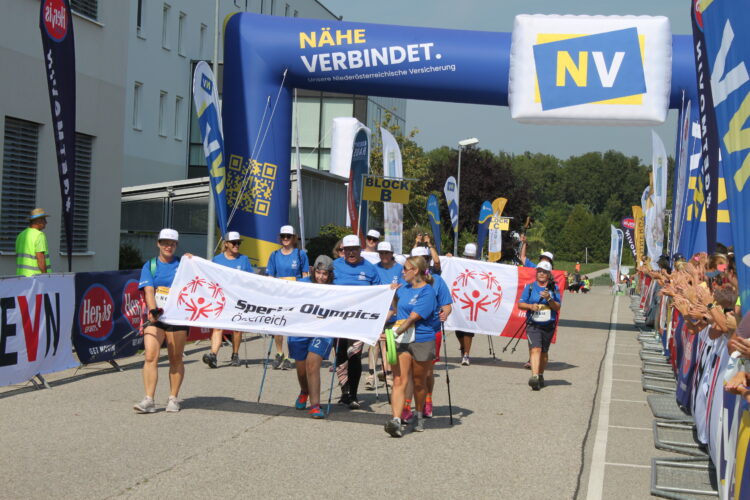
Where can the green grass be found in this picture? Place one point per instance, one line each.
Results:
(562, 265)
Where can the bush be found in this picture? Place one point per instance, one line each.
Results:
(130, 257)
(325, 241)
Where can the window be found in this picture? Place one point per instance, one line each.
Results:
(140, 18)
(287, 10)
(178, 118)
(137, 104)
(202, 43)
(84, 150)
(165, 26)
(88, 8)
(163, 113)
(19, 179)
(273, 7)
(180, 32)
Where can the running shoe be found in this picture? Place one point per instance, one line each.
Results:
(278, 360)
(419, 424)
(541, 381)
(301, 402)
(370, 382)
(145, 406)
(407, 415)
(286, 364)
(393, 427)
(173, 405)
(465, 360)
(235, 359)
(210, 359)
(316, 412)
(534, 383)
(354, 404)
(427, 412)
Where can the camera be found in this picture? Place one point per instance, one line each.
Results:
(551, 286)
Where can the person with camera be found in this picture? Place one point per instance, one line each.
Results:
(541, 301)
(433, 259)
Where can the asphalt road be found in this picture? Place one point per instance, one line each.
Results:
(81, 439)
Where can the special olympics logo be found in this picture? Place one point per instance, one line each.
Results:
(55, 19)
(201, 299)
(477, 292)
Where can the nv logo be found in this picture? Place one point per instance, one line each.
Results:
(450, 187)
(207, 84)
(606, 68)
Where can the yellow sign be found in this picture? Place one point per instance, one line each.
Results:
(640, 233)
(497, 225)
(501, 223)
(385, 190)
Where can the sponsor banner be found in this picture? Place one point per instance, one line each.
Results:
(451, 198)
(485, 295)
(483, 226)
(208, 295)
(433, 213)
(397, 194)
(640, 241)
(206, 99)
(497, 225)
(37, 314)
(628, 228)
(107, 315)
(681, 174)
(359, 168)
(615, 253)
(728, 54)
(58, 47)
(605, 70)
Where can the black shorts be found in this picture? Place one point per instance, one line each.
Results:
(459, 333)
(540, 335)
(170, 328)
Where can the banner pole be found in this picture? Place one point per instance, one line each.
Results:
(300, 208)
(447, 375)
(359, 210)
(210, 230)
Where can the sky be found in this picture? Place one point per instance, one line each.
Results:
(446, 123)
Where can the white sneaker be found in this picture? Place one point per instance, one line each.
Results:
(465, 360)
(145, 406)
(173, 405)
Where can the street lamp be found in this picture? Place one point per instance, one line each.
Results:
(461, 145)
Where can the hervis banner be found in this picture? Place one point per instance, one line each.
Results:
(384, 189)
(209, 295)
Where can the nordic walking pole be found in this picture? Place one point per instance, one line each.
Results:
(265, 369)
(492, 346)
(513, 337)
(382, 360)
(523, 329)
(375, 368)
(333, 374)
(447, 375)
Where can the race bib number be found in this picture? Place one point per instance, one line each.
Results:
(408, 336)
(161, 295)
(543, 315)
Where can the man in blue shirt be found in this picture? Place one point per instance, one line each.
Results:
(352, 269)
(230, 257)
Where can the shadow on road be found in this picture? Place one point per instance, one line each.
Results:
(593, 325)
(554, 366)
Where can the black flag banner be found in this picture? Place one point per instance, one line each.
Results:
(56, 25)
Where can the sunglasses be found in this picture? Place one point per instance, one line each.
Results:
(371, 238)
(339, 249)
(286, 236)
(235, 243)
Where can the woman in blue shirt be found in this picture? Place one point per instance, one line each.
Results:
(157, 276)
(288, 263)
(414, 329)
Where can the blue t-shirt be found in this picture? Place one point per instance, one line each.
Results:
(286, 266)
(392, 275)
(242, 262)
(360, 274)
(421, 301)
(528, 263)
(443, 297)
(532, 295)
(164, 273)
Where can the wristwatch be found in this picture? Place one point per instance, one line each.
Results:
(710, 306)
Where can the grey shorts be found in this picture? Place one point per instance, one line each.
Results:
(420, 351)
(540, 335)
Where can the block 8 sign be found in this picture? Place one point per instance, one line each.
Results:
(385, 190)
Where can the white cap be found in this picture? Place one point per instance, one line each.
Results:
(545, 265)
(548, 255)
(286, 230)
(351, 241)
(169, 234)
(420, 252)
(385, 246)
(470, 250)
(372, 233)
(232, 236)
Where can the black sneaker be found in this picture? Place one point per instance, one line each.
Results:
(286, 364)
(393, 427)
(278, 360)
(534, 383)
(235, 359)
(354, 405)
(541, 381)
(210, 359)
(345, 400)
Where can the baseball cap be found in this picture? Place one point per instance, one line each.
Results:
(470, 250)
(286, 230)
(548, 255)
(323, 262)
(420, 252)
(37, 213)
(169, 234)
(385, 246)
(232, 236)
(546, 266)
(372, 233)
(350, 240)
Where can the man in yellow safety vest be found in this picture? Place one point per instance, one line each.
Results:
(32, 257)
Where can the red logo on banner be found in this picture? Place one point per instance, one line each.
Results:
(698, 13)
(95, 312)
(55, 19)
(131, 303)
(476, 292)
(628, 223)
(201, 298)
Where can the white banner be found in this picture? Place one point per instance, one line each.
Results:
(212, 296)
(615, 253)
(451, 198)
(393, 213)
(37, 318)
(484, 294)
